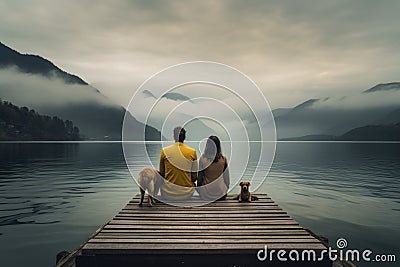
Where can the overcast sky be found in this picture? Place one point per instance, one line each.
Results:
(293, 50)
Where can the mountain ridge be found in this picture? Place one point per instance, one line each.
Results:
(373, 133)
(384, 87)
(335, 117)
(35, 64)
(389, 132)
(97, 121)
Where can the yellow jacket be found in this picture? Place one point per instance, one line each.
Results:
(177, 165)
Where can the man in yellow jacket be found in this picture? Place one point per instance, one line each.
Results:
(178, 165)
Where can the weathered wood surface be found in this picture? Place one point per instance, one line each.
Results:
(223, 233)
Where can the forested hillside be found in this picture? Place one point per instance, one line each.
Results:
(22, 123)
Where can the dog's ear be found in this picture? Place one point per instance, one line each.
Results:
(248, 183)
(241, 183)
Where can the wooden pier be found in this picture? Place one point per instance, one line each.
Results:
(223, 233)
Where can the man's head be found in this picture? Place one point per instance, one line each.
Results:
(179, 134)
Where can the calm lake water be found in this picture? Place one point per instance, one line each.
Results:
(53, 196)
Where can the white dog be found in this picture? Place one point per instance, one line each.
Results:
(149, 179)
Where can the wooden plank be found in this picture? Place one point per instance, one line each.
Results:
(229, 198)
(145, 241)
(204, 223)
(233, 206)
(201, 202)
(212, 205)
(270, 232)
(205, 227)
(209, 210)
(137, 208)
(194, 219)
(196, 237)
(183, 217)
(227, 216)
(203, 212)
(107, 248)
(191, 205)
(200, 215)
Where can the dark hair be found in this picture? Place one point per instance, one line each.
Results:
(179, 134)
(212, 150)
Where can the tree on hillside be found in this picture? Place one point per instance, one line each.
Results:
(22, 123)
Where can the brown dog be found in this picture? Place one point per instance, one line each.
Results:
(149, 179)
(245, 195)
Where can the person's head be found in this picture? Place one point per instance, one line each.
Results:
(179, 134)
(212, 150)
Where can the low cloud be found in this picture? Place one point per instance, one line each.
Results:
(361, 101)
(40, 92)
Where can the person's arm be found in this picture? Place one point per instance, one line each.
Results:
(162, 163)
(200, 173)
(226, 175)
(194, 168)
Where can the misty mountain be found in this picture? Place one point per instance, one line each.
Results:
(280, 112)
(169, 95)
(391, 118)
(389, 132)
(35, 82)
(311, 137)
(302, 120)
(34, 64)
(196, 128)
(305, 105)
(378, 105)
(176, 96)
(373, 133)
(384, 87)
(147, 93)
